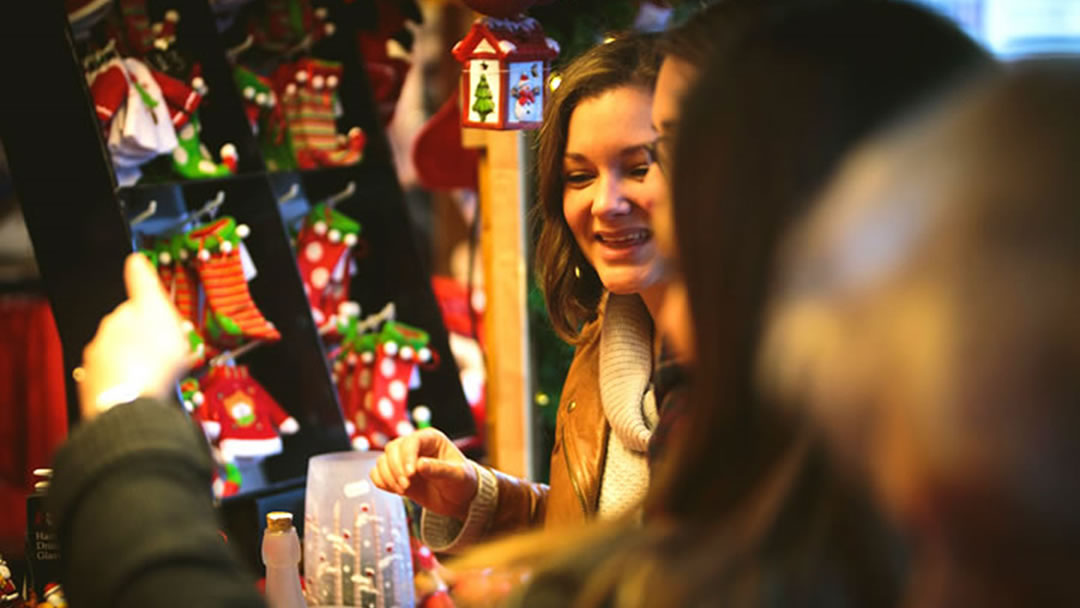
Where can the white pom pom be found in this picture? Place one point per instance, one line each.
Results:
(198, 398)
(361, 444)
(319, 228)
(204, 254)
(351, 358)
(164, 257)
(335, 235)
(321, 12)
(249, 92)
(424, 355)
(332, 81)
(243, 231)
(183, 254)
(302, 76)
(349, 308)
(198, 84)
(421, 414)
(226, 247)
(350, 239)
(229, 151)
(290, 89)
(187, 326)
(390, 348)
(367, 357)
(260, 98)
(407, 353)
(329, 28)
(318, 81)
(172, 16)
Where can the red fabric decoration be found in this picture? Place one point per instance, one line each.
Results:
(441, 161)
(33, 408)
(240, 417)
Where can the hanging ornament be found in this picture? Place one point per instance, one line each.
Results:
(239, 417)
(307, 90)
(505, 65)
(230, 315)
(324, 257)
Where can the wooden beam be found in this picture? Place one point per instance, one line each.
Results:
(506, 333)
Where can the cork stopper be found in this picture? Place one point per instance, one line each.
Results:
(278, 521)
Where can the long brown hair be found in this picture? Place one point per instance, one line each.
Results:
(571, 287)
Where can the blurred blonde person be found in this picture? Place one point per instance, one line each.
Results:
(929, 313)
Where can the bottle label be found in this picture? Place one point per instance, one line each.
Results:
(42, 545)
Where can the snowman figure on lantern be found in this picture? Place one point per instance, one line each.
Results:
(505, 64)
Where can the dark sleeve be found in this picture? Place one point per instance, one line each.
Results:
(131, 500)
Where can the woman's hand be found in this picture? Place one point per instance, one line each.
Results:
(428, 468)
(139, 349)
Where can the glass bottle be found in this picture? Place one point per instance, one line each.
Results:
(281, 555)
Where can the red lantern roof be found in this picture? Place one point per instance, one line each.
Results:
(520, 39)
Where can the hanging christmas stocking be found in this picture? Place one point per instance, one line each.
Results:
(192, 160)
(353, 373)
(258, 95)
(230, 316)
(241, 419)
(308, 96)
(324, 248)
(399, 351)
(178, 278)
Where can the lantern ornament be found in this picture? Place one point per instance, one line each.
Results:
(505, 64)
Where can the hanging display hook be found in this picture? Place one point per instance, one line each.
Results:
(349, 190)
(209, 209)
(294, 191)
(388, 313)
(147, 213)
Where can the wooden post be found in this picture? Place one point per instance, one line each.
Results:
(506, 336)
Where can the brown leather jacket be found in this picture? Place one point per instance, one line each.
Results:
(577, 459)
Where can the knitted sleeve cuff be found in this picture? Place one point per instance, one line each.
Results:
(445, 534)
(137, 430)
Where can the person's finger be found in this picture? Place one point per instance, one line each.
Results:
(431, 442)
(377, 479)
(142, 281)
(434, 469)
(394, 460)
(410, 451)
(387, 475)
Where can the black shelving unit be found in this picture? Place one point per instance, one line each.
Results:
(79, 222)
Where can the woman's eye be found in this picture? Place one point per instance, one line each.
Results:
(639, 171)
(578, 178)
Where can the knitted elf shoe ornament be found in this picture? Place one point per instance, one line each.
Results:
(230, 484)
(324, 248)
(258, 95)
(399, 351)
(353, 372)
(169, 256)
(241, 419)
(191, 394)
(192, 160)
(308, 93)
(231, 316)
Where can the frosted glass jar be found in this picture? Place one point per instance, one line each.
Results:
(356, 537)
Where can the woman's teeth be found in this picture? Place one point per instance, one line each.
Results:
(624, 239)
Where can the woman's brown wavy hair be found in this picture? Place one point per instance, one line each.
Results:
(571, 287)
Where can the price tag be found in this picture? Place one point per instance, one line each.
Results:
(247, 264)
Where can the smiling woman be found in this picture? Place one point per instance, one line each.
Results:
(603, 278)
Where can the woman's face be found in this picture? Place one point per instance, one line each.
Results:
(609, 194)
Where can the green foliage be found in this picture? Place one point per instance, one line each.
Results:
(580, 24)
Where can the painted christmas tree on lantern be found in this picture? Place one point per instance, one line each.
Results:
(483, 104)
